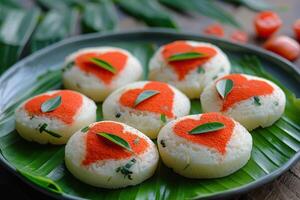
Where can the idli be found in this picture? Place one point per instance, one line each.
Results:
(188, 65)
(207, 145)
(146, 106)
(52, 117)
(96, 72)
(250, 100)
(109, 154)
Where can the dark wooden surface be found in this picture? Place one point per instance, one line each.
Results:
(286, 187)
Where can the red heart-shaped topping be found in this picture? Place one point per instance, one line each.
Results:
(244, 89)
(161, 103)
(70, 103)
(183, 67)
(215, 139)
(114, 58)
(99, 148)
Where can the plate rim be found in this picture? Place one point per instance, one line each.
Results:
(158, 31)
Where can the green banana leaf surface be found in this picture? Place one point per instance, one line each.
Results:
(151, 12)
(99, 16)
(16, 26)
(55, 26)
(204, 7)
(43, 165)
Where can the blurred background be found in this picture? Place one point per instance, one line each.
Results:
(29, 25)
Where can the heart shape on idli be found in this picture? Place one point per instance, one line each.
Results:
(99, 148)
(244, 89)
(216, 139)
(183, 67)
(115, 58)
(70, 103)
(161, 103)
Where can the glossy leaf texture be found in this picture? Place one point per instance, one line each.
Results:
(149, 11)
(273, 147)
(256, 5)
(204, 7)
(56, 25)
(100, 16)
(59, 4)
(11, 3)
(16, 26)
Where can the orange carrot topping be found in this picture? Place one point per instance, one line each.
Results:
(183, 67)
(114, 58)
(215, 139)
(98, 148)
(71, 102)
(244, 89)
(161, 103)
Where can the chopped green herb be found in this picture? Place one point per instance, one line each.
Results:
(186, 56)
(85, 129)
(207, 127)
(116, 139)
(118, 115)
(125, 170)
(163, 118)
(200, 70)
(103, 64)
(78, 85)
(163, 144)
(224, 87)
(68, 66)
(144, 96)
(188, 162)
(51, 104)
(42, 128)
(257, 100)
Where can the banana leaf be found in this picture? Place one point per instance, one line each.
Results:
(256, 5)
(60, 4)
(55, 26)
(16, 26)
(11, 3)
(148, 11)
(43, 165)
(99, 16)
(204, 7)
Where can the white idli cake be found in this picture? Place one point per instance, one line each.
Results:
(250, 100)
(96, 72)
(146, 105)
(54, 116)
(109, 154)
(188, 65)
(208, 145)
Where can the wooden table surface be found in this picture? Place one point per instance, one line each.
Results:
(287, 186)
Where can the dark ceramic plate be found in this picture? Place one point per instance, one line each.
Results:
(275, 148)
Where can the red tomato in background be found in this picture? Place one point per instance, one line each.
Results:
(266, 23)
(239, 36)
(296, 28)
(284, 46)
(214, 29)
